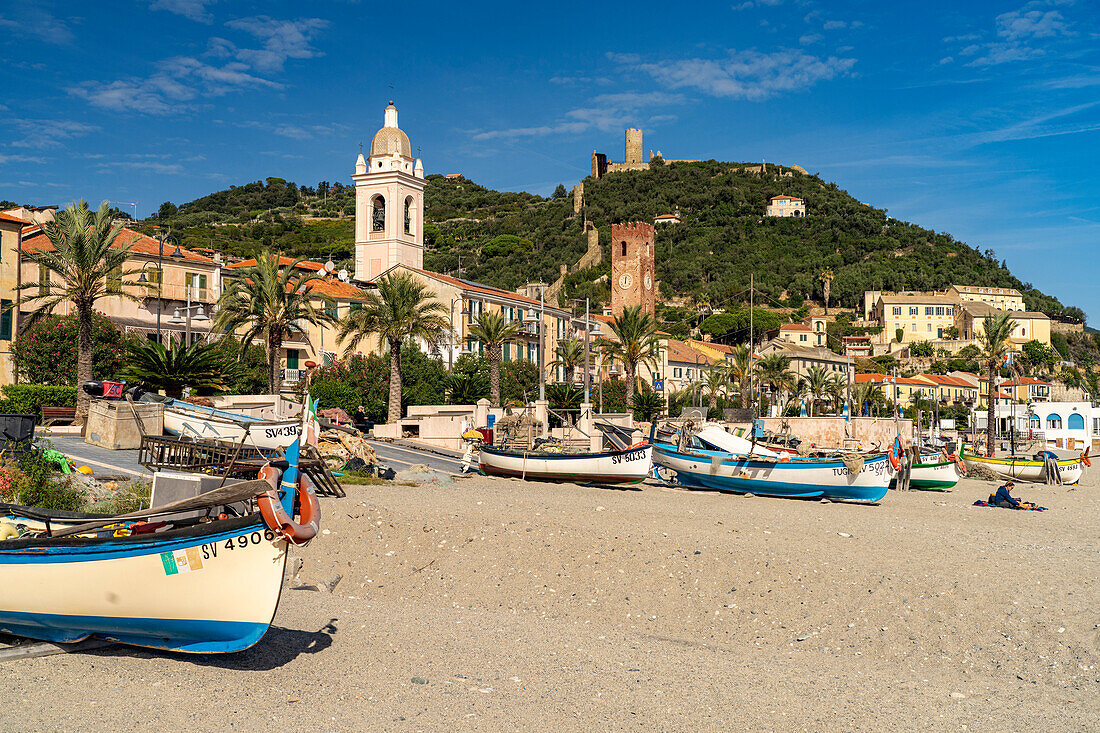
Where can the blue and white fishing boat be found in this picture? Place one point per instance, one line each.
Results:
(699, 465)
(193, 585)
(189, 420)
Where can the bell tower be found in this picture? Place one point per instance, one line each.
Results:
(389, 203)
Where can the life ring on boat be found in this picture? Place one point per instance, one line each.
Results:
(895, 453)
(1085, 457)
(276, 518)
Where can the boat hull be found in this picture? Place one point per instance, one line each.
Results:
(214, 588)
(1070, 470)
(195, 423)
(939, 476)
(614, 467)
(795, 478)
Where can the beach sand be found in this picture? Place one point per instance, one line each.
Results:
(495, 604)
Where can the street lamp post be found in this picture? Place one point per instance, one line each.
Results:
(161, 238)
(699, 378)
(454, 333)
(200, 316)
(537, 322)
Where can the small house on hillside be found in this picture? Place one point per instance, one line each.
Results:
(784, 206)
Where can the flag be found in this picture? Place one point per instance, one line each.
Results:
(311, 428)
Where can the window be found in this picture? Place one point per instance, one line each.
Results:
(5, 319)
(950, 310)
(939, 333)
(678, 372)
(802, 337)
(292, 358)
(929, 310)
(929, 326)
(332, 310)
(378, 213)
(623, 249)
(114, 278)
(197, 282)
(914, 310)
(1075, 422)
(939, 310)
(1054, 421)
(507, 351)
(327, 357)
(408, 215)
(912, 327)
(897, 310)
(43, 280)
(1096, 426)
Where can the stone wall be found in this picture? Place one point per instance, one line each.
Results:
(578, 197)
(836, 432)
(1066, 328)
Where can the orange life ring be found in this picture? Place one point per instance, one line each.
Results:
(959, 465)
(276, 518)
(1085, 459)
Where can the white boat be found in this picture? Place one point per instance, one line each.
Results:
(714, 437)
(208, 423)
(1070, 470)
(628, 466)
(933, 472)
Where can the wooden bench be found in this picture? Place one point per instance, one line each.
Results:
(51, 415)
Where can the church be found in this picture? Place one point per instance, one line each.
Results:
(389, 237)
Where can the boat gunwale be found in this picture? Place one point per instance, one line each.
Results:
(130, 542)
(493, 450)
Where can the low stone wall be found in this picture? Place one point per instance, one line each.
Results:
(836, 432)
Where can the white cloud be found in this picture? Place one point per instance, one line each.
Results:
(32, 20)
(193, 9)
(47, 133)
(1016, 34)
(832, 25)
(810, 39)
(282, 39)
(745, 74)
(750, 4)
(604, 112)
(144, 165)
(20, 159)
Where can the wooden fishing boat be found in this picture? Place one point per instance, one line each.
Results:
(628, 466)
(829, 478)
(189, 420)
(189, 585)
(1025, 468)
(931, 474)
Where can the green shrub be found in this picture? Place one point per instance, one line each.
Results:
(52, 494)
(335, 394)
(28, 399)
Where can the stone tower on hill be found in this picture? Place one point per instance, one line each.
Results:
(389, 203)
(632, 267)
(632, 153)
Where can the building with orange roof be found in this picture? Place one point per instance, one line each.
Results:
(785, 206)
(174, 277)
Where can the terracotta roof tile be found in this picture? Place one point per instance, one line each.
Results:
(683, 352)
(140, 244)
(13, 219)
(283, 262)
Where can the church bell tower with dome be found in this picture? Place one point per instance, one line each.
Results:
(389, 203)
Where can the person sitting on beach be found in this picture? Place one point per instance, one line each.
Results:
(1003, 498)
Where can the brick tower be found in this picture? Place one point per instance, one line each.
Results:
(632, 267)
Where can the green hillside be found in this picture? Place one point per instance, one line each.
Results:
(507, 239)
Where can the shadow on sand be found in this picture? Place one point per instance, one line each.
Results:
(278, 647)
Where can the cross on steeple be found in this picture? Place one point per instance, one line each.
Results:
(360, 147)
(418, 151)
(391, 92)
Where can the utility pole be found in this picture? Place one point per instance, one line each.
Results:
(752, 392)
(587, 334)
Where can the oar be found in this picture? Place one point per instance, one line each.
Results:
(224, 495)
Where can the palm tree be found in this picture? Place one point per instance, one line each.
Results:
(738, 369)
(817, 383)
(178, 366)
(271, 303)
(993, 343)
(836, 387)
(866, 392)
(570, 355)
(774, 372)
(493, 330)
(637, 343)
(401, 308)
(714, 383)
(647, 404)
(86, 254)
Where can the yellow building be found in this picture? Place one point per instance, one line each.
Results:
(1030, 325)
(10, 228)
(1005, 299)
(921, 316)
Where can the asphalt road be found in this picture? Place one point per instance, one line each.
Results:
(401, 457)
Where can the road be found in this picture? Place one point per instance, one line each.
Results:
(401, 457)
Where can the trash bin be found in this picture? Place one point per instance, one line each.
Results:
(16, 432)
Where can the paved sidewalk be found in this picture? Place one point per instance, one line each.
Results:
(102, 461)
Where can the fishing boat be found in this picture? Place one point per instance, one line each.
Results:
(190, 585)
(933, 473)
(1024, 468)
(189, 420)
(628, 466)
(828, 478)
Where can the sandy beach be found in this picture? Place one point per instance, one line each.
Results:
(500, 605)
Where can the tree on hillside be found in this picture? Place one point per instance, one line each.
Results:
(826, 278)
(401, 308)
(637, 343)
(493, 331)
(269, 303)
(166, 210)
(993, 343)
(560, 192)
(85, 260)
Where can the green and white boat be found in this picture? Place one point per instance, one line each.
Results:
(933, 473)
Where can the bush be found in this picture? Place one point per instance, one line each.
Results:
(28, 399)
(45, 351)
(332, 393)
(52, 494)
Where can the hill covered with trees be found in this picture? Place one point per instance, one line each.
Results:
(507, 239)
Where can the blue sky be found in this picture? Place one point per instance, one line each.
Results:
(979, 119)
